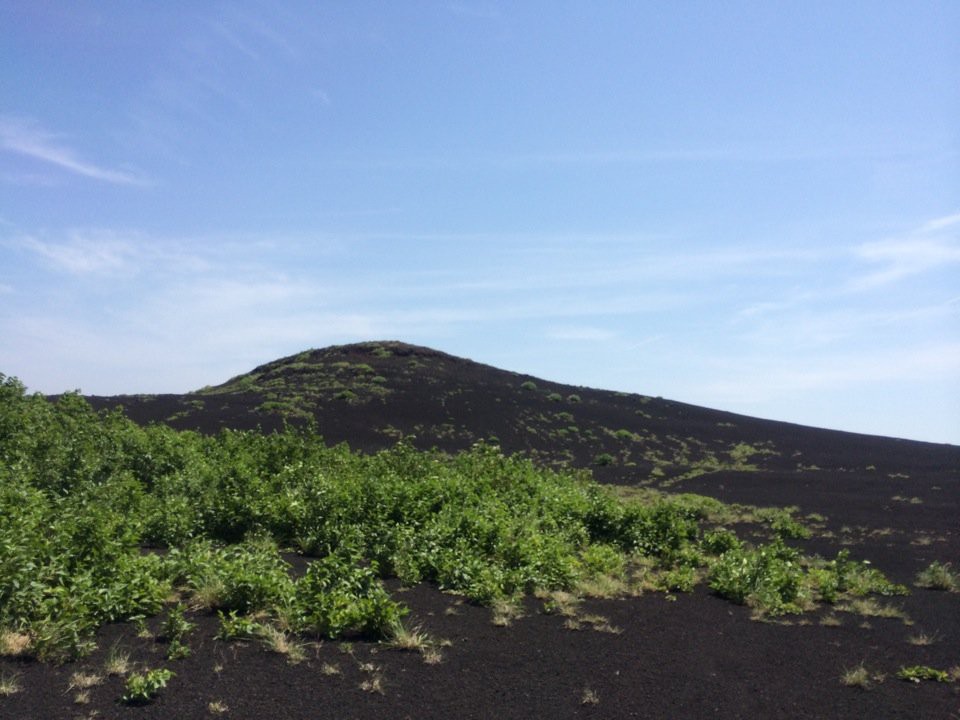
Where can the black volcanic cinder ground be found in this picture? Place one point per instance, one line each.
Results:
(895, 502)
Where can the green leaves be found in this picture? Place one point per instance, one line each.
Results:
(919, 673)
(339, 595)
(83, 495)
(143, 687)
(769, 577)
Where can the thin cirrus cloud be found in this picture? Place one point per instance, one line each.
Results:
(25, 137)
(83, 254)
(936, 244)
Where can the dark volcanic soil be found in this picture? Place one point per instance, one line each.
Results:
(658, 656)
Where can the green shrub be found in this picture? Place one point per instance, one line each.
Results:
(603, 459)
(555, 397)
(786, 526)
(528, 385)
(175, 627)
(919, 673)
(242, 578)
(237, 627)
(144, 687)
(602, 559)
(769, 578)
(719, 541)
(82, 494)
(680, 579)
(339, 595)
(662, 530)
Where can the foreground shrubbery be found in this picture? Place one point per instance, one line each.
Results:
(105, 521)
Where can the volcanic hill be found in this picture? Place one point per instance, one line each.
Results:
(895, 503)
(372, 394)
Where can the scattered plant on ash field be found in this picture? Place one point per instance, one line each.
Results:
(105, 521)
(920, 673)
(144, 687)
(939, 576)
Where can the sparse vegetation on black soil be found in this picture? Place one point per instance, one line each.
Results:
(151, 558)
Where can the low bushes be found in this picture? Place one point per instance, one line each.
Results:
(103, 520)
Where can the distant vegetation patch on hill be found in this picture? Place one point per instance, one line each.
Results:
(294, 386)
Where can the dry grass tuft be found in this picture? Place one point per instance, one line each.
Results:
(871, 607)
(922, 639)
(374, 683)
(278, 641)
(84, 681)
(602, 586)
(572, 624)
(411, 639)
(432, 656)
(117, 661)
(589, 697)
(505, 612)
(559, 602)
(939, 576)
(330, 669)
(831, 620)
(9, 684)
(208, 596)
(14, 644)
(860, 677)
(600, 623)
(217, 707)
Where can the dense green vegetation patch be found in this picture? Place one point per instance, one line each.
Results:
(293, 387)
(108, 521)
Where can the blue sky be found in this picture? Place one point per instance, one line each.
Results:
(753, 206)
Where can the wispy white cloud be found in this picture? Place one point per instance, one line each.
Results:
(109, 252)
(934, 245)
(27, 138)
(82, 256)
(940, 223)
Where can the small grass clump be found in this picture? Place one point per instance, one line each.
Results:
(401, 637)
(330, 669)
(277, 641)
(871, 607)
(861, 677)
(84, 680)
(9, 684)
(505, 611)
(922, 639)
(939, 576)
(117, 662)
(857, 676)
(14, 644)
